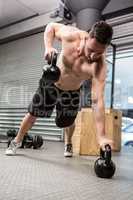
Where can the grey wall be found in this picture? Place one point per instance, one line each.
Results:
(123, 28)
(115, 5)
(21, 63)
(26, 27)
(123, 31)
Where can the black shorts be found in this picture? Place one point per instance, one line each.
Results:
(48, 97)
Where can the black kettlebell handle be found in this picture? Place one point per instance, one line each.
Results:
(106, 154)
(53, 59)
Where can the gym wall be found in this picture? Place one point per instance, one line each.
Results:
(21, 63)
(123, 31)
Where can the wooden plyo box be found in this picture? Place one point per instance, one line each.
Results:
(84, 138)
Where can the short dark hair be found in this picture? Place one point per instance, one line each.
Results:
(102, 31)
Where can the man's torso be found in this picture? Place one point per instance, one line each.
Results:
(74, 68)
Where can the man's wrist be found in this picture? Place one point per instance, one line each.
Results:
(101, 135)
(48, 46)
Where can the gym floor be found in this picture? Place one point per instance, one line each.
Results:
(45, 174)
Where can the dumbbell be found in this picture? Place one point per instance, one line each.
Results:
(29, 141)
(37, 141)
(11, 134)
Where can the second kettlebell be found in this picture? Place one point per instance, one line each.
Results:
(104, 167)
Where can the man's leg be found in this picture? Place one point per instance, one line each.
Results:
(42, 105)
(69, 133)
(26, 124)
(68, 151)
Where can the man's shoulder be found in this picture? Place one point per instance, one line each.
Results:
(83, 34)
(69, 33)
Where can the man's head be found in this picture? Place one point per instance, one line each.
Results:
(99, 38)
(102, 32)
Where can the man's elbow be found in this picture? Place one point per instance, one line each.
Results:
(94, 103)
(49, 27)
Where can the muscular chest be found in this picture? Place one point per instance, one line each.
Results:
(74, 70)
(77, 67)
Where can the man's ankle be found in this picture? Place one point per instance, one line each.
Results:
(17, 140)
(68, 142)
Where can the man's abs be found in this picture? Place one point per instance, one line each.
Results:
(68, 80)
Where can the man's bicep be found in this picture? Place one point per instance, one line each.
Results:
(67, 33)
(58, 30)
(98, 87)
(99, 78)
(54, 29)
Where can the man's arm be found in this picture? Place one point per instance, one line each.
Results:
(98, 106)
(52, 31)
(98, 85)
(60, 32)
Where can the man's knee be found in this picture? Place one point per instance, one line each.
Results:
(30, 118)
(72, 126)
(64, 123)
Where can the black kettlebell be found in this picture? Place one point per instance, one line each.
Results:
(104, 167)
(51, 73)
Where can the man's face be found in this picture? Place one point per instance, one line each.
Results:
(93, 49)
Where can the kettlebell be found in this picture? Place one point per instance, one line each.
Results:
(51, 73)
(104, 167)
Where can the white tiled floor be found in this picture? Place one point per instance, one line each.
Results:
(46, 175)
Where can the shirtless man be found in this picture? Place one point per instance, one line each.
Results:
(81, 58)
